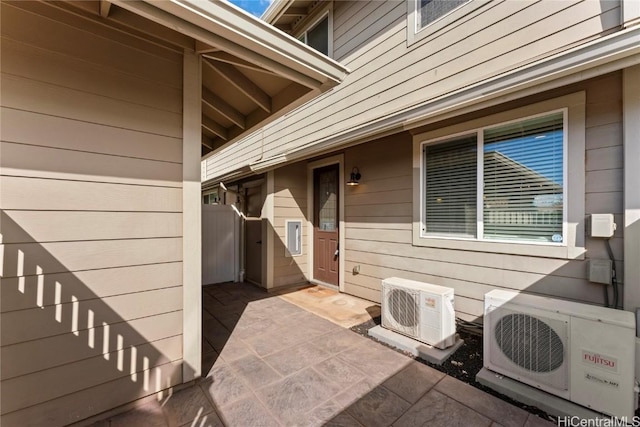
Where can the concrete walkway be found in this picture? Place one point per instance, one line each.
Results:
(271, 363)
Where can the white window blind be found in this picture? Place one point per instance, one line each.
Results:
(450, 187)
(523, 180)
(517, 184)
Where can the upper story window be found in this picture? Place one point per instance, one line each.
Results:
(426, 18)
(513, 182)
(432, 10)
(318, 35)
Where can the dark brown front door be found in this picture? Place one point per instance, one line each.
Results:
(325, 228)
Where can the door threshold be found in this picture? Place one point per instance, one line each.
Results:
(325, 285)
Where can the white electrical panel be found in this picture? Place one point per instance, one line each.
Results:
(600, 271)
(602, 225)
(293, 237)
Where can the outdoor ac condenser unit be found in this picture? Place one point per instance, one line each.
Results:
(582, 353)
(419, 310)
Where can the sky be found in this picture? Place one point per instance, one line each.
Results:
(254, 7)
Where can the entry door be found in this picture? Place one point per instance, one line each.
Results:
(326, 251)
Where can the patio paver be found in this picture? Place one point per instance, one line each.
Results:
(437, 409)
(267, 362)
(496, 409)
(414, 381)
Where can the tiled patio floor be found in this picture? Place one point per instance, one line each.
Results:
(271, 363)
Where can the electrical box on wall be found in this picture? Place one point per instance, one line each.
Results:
(600, 271)
(293, 237)
(602, 225)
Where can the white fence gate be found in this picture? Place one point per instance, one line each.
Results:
(220, 244)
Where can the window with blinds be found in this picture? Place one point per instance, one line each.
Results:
(450, 187)
(523, 180)
(514, 192)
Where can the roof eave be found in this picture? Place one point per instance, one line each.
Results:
(275, 10)
(223, 25)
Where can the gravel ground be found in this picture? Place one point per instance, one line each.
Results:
(464, 364)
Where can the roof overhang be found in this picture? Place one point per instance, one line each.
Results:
(265, 72)
(223, 26)
(292, 16)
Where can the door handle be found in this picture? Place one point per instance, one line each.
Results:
(259, 242)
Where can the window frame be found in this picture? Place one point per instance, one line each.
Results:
(209, 193)
(572, 246)
(328, 13)
(415, 33)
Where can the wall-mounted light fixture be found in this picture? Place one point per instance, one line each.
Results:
(355, 177)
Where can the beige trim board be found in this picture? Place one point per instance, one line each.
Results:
(339, 160)
(191, 219)
(631, 138)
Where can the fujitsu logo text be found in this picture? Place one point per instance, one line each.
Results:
(600, 360)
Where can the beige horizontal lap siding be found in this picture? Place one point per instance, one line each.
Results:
(91, 178)
(388, 76)
(428, 70)
(604, 162)
(378, 235)
(289, 203)
(234, 157)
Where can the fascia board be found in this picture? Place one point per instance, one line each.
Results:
(252, 36)
(610, 53)
(275, 10)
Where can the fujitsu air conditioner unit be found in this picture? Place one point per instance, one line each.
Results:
(418, 310)
(582, 353)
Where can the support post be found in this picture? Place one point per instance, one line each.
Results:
(191, 218)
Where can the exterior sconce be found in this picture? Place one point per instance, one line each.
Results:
(355, 177)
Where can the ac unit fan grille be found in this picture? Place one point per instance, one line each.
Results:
(529, 343)
(400, 311)
(402, 307)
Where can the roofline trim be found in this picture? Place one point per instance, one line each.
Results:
(275, 10)
(224, 25)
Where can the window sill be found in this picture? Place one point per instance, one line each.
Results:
(534, 249)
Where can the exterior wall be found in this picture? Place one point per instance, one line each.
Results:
(290, 203)
(379, 219)
(389, 75)
(91, 255)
